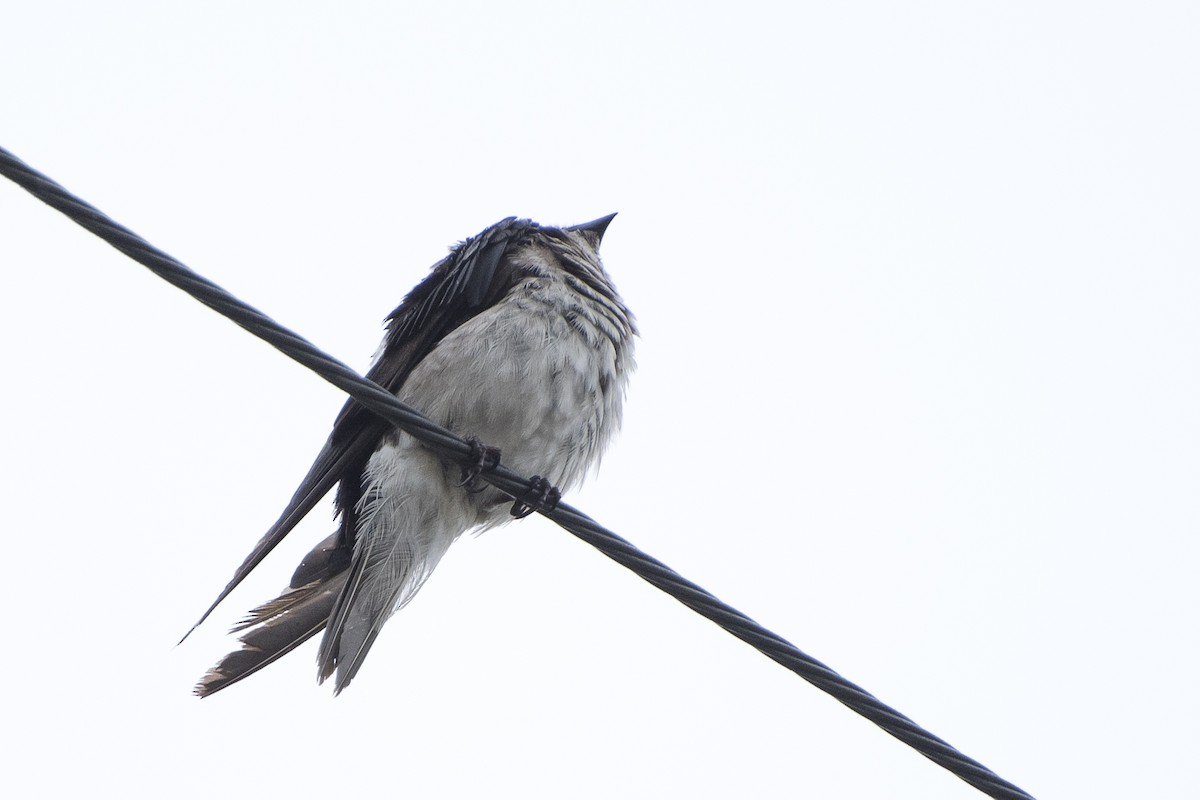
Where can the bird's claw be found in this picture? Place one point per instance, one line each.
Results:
(482, 459)
(542, 496)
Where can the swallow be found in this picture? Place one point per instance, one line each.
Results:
(517, 339)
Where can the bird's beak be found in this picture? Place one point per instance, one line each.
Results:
(596, 227)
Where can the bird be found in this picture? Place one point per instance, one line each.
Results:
(517, 341)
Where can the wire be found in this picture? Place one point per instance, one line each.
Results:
(383, 403)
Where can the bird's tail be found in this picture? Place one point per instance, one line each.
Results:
(274, 629)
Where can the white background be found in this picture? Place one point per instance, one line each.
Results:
(918, 388)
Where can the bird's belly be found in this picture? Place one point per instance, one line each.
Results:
(522, 379)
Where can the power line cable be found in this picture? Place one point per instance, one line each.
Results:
(387, 406)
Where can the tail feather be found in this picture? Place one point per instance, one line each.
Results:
(383, 577)
(274, 629)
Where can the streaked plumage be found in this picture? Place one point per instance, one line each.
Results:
(517, 338)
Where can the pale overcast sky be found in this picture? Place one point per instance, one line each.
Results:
(918, 388)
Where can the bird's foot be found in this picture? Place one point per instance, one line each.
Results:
(540, 497)
(482, 459)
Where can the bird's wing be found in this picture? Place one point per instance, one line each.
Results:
(470, 279)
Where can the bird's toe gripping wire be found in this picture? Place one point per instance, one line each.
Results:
(482, 459)
(542, 496)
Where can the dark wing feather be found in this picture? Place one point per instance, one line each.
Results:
(458, 288)
(476, 276)
(331, 464)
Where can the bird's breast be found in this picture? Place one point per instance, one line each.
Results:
(541, 375)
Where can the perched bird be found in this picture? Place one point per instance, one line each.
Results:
(517, 339)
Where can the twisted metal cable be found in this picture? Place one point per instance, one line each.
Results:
(385, 404)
